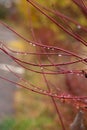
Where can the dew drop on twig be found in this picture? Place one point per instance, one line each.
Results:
(25, 53)
(59, 55)
(52, 49)
(78, 74)
(71, 72)
(41, 68)
(30, 43)
(35, 88)
(26, 83)
(17, 53)
(78, 26)
(40, 90)
(55, 95)
(34, 45)
(81, 75)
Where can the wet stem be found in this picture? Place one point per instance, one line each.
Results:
(53, 68)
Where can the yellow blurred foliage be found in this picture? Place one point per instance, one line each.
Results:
(23, 10)
(17, 45)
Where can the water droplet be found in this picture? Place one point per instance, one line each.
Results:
(50, 93)
(59, 55)
(35, 88)
(40, 90)
(25, 53)
(62, 100)
(52, 49)
(26, 83)
(17, 53)
(78, 74)
(68, 95)
(77, 106)
(48, 48)
(30, 43)
(34, 45)
(55, 94)
(71, 72)
(44, 92)
(81, 75)
(41, 68)
(78, 26)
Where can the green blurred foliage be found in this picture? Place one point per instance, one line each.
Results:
(40, 123)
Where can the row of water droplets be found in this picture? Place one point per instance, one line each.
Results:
(49, 48)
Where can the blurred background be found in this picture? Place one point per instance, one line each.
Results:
(24, 110)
